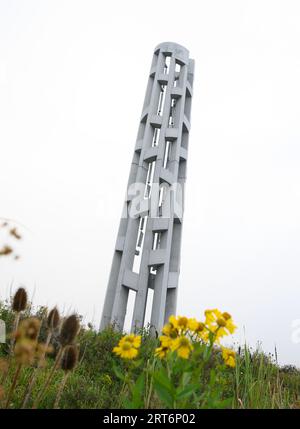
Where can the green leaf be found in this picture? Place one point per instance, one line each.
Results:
(118, 372)
(138, 391)
(164, 387)
(163, 394)
(186, 377)
(187, 391)
(162, 378)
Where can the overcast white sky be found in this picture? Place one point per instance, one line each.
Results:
(72, 81)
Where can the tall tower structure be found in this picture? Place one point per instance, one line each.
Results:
(147, 251)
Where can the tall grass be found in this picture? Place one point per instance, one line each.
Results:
(257, 381)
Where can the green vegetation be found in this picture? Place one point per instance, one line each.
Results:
(186, 376)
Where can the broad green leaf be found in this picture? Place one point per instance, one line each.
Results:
(187, 391)
(118, 372)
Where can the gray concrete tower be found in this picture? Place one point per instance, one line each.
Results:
(147, 252)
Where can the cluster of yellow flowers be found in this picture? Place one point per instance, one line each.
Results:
(180, 333)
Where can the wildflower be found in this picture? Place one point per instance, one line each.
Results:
(161, 352)
(220, 324)
(179, 323)
(135, 340)
(183, 346)
(169, 330)
(182, 322)
(211, 316)
(125, 350)
(228, 356)
(195, 326)
(226, 315)
(165, 346)
(192, 324)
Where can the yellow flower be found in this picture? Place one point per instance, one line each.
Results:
(192, 324)
(228, 356)
(179, 323)
(173, 322)
(161, 352)
(165, 341)
(128, 346)
(165, 345)
(226, 315)
(183, 346)
(220, 324)
(125, 350)
(196, 326)
(212, 315)
(169, 330)
(182, 322)
(135, 340)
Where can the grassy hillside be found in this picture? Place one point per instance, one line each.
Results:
(102, 379)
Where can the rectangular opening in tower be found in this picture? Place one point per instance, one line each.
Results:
(167, 153)
(149, 180)
(156, 134)
(187, 105)
(172, 113)
(184, 137)
(161, 100)
(156, 240)
(139, 245)
(129, 310)
(148, 311)
(167, 64)
(178, 74)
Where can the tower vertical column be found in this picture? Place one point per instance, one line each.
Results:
(147, 251)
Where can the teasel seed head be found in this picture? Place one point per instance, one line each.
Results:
(69, 330)
(70, 358)
(19, 300)
(53, 319)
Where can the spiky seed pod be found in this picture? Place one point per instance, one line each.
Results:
(70, 358)
(19, 300)
(69, 330)
(53, 319)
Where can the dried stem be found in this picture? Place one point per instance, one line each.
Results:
(11, 390)
(34, 374)
(60, 390)
(42, 392)
(16, 324)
